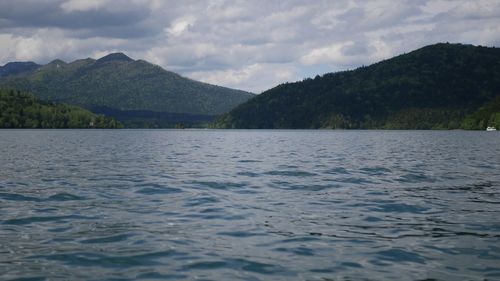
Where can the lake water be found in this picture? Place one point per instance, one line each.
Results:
(249, 205)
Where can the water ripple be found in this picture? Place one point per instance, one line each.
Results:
(249, 205)
(34, 219)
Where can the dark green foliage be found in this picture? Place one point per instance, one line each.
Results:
(431, 88)
(23, 110)
(425, 118)
(486, 116)
(116, 81)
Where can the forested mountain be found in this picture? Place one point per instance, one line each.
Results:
(13, 68)
(436, 87)
(24, 110)
(119, 83)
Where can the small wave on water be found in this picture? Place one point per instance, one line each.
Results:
(249, 205)
(153, 189)
(56, 197)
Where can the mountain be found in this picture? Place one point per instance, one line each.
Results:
(24, 110)
(435, 87)
(13, 68)
(117, 83)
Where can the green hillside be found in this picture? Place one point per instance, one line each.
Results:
(118, 82)
(23, 110)
(487, 115)
(436, 87)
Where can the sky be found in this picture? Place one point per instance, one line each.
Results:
(251, 45)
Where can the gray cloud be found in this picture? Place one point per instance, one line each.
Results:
(104, 20)
(251, 45)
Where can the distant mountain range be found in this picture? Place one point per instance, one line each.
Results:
(13, 68)
(135, 91)
(441, 86)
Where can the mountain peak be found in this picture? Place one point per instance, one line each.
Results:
(57, 62)
(115, 57)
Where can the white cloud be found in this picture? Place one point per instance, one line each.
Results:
(49, 43)
(231, 76)
(220, 11)
(7, 47)
(329, 54)
(82, 5)
(181, 25)
(249, 77)
(327, 19)
(348, 54)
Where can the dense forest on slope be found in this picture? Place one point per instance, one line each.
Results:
(120, 83)
(485, 116)
(24, 110)
(436, 87)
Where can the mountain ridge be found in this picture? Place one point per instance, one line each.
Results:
(17, 67)
(119, 82)
(436, 86)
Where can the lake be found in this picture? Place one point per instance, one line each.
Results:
(249, 205)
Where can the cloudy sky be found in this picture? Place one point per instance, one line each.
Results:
(252, 44)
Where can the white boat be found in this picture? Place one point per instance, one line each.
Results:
(490, 129)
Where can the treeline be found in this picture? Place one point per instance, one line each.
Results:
(24, 110)
(424, 119)
(410, 118)
(154, 120)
